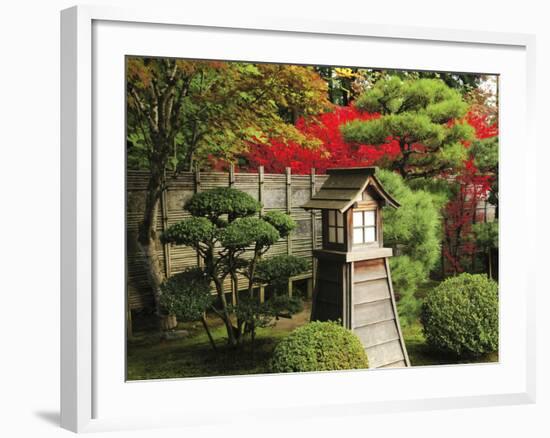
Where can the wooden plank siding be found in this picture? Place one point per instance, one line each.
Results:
(369, 270)
(282, 192)
(375, 320)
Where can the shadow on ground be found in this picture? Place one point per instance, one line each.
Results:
(51, 417)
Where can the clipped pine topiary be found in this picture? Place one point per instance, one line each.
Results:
(319, 346)
(231, 239)
(460, 315)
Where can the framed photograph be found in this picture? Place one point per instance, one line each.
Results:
(333, 208)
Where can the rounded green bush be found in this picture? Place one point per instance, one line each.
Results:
(319, 346)
(186, 294)
(282, 222)
(222, 201)
(278, 269)
(247, 231)
(460, 315)
(190, 231)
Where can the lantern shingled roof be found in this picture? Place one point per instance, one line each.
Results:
(345, 186)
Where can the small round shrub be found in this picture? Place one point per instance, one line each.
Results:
(460, 315)
(247, 231)
(319, 346)
(282, 222)
(186, 294)
(190, 231)
(222, 201)
(278, 269)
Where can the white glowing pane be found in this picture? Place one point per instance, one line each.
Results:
(340, 235)
(358, 235)
(357, 218)
(331, 218)
(340, 219)
(332, 234)
(370, 217)
(370, 235)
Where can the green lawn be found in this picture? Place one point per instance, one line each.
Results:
(421, 354)
(192, 356)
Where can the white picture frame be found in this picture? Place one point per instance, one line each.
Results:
(93, 396)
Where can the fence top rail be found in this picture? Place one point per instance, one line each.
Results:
(186, 174)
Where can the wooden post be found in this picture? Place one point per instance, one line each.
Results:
(262, 210)
(234, 284)
(261, 188)
(231, 175)
(313, 189)
(197, 179)
(288, 174)
(310, 287)
(288, 206)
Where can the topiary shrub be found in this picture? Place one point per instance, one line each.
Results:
(195, 229)
(282, 222)
(187, 294)
(222, 201)
(278, 269)
(460, 315)
(231, 239)
(319, 346)
(246, 231)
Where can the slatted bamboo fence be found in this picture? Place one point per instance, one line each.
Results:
(283, 192)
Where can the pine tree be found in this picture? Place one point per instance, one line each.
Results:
(425, 116)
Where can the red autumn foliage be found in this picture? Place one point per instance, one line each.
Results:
(472, 187)
(459, 215)
(333, 151)
(480, 122)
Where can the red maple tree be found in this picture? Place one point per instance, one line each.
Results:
(459, 213)
(332, 152)
(459, 216)
(471, 186)
(277, 154)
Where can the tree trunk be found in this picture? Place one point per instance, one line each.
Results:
(148, 238)
(235, 298)
(205, 325)
(225, 313)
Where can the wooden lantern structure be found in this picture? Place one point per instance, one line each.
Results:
(353, 282)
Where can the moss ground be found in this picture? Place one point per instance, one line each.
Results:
(192, 356)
